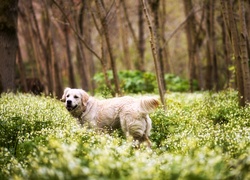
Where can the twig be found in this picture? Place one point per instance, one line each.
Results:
(75, 31)
(180, 26)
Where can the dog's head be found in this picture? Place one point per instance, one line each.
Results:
(75, 100)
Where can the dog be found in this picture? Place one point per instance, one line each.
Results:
(128, 113)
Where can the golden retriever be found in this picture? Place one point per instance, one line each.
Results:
(128, 113)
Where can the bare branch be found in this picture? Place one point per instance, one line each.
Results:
(75, 31)
(181, 25)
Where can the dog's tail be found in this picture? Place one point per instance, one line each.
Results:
(149, 104)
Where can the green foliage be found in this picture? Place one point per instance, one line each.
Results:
(178, 84)
(199, 136)
(26, 120)
(141, 82)
(130, 82)
(137, 81)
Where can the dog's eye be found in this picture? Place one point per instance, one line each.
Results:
(76, 97)
(67, 95)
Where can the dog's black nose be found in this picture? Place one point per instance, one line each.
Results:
(69, 102)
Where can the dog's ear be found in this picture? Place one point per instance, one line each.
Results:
(85, 97)
(63, 99)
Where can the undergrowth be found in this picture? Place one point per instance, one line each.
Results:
(199, 136)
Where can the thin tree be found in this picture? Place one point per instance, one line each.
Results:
(43, 49)
(190, 30)
(123, 28)
(82, 64)
(71, 75)
(103, 17)
(139, 42)
(227, 49)
(8, 44)
(103, 59)
(29, 34)
(212, 78)
(54, 68)
(228, 16)
(155, 7)
(244, 51)
(87, 27)
(164, 49)
(154, 47)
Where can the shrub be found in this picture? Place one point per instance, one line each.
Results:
(176, 84)
(130, 81)
(141, 82)
(25, 122)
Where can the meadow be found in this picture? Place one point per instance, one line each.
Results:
(201, 135)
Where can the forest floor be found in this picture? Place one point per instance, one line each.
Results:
(199, 136)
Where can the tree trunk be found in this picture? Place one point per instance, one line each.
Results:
(211, 69)
(154, 48)
(8, 44)
(141, 42)
(46, 48)
(164, 46)
(197, 44)
(227, 11)
(105, 66)
(236, 49)
(21, 69)
(155, 9)
(31, 47)
(86, 59)
(103, 59)
(57, 81)
(244, 52)
(226, 53)
(191, 49)
(72, 82)
(89, 56)
(82, 64)
(124, 39)
(51, 37)
(103, 18)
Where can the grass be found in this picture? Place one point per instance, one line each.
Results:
(200, 136)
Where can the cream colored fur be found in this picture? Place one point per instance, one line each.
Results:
(128, 113)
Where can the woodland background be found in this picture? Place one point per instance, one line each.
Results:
(125, 46)
(66, 43)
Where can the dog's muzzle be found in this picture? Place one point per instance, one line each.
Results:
(69, 105)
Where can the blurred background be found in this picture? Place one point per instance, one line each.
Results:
(99, 45)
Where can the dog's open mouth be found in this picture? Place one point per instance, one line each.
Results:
(71, 108)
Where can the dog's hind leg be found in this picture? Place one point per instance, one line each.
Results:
(148, 129)
(147, 123)
(138, 127)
